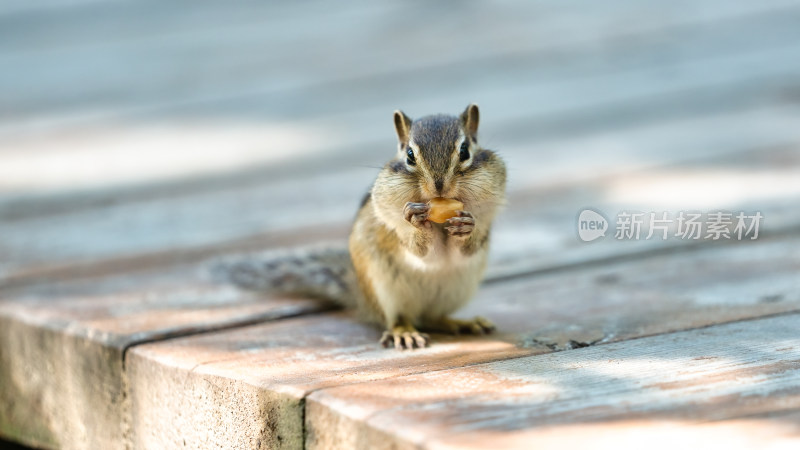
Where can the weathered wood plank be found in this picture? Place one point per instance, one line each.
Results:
(62, 380)
(80, 329)
(155, 229)
(576, 91)
(207, 218)
(266, 41)
(135, 311)
(536, 233)
(66, 27)
(682, 383)
(99, 317)
(193, 387)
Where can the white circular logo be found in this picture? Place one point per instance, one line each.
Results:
(591, 225)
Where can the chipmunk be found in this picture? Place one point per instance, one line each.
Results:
(400, 269)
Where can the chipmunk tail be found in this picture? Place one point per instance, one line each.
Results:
(323, 272)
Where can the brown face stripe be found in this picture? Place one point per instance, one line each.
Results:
(436, 136)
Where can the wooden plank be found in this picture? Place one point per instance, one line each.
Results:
(266, 41)
(369, 121)
(54, 303)
(200, 388)
(62, 381)
(537, 230)
(325, 120)
(133, 303)
(134, 20)
(81, 329)
(536, 234)
(682, 387)
(122, 310)
(142, 272)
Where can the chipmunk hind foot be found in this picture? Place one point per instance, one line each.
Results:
(476, 326)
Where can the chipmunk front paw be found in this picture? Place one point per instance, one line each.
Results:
(417, 214)
(461, 225)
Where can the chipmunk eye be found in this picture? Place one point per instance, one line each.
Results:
(411, 160)
(463, 153)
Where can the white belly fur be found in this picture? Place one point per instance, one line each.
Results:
(432, 286)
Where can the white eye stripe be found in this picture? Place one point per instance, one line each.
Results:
(414, 148)
(460, 142)
(457, 155)
(415, 152)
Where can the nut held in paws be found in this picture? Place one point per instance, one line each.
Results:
(443, 209)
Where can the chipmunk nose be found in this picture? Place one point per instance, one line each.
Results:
(439, 185)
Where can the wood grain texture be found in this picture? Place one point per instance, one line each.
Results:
(290, 359)
(203, 219)
(536, 232)
(682, 387)
(139, 139)
(224, 51)
(62, 381)
(567, 98)
(108, 310)
(566, 103)
(562, 80)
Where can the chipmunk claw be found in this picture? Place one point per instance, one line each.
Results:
(404, 339)
(460, 225)
(417, 214)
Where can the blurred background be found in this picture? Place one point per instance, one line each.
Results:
(138, 133)
(139, 139)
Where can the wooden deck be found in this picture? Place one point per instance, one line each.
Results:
(138, 140)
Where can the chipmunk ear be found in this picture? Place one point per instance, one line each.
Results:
(402, 125)
(469, 120)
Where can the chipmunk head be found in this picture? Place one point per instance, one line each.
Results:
(438, 151)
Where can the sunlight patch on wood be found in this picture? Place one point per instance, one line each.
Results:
(705, 188)
(146, 153)
(658, 435)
